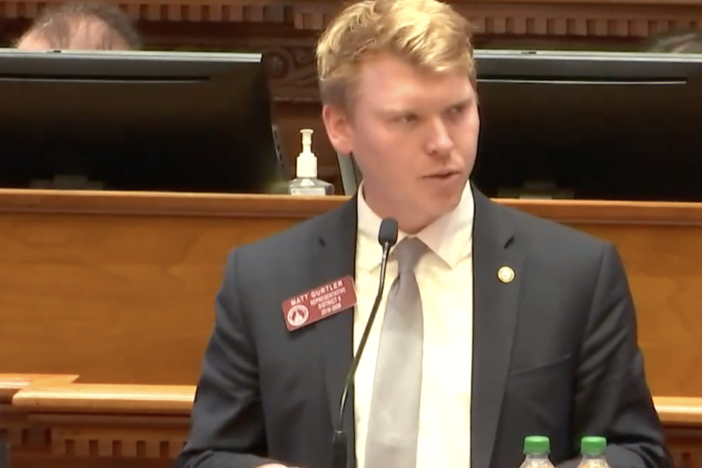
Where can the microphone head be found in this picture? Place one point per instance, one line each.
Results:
(387, 235)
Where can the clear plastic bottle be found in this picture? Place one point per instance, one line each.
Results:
(592, 450)
(536, 452)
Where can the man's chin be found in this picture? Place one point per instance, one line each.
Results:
(448, 198)
(441, 206)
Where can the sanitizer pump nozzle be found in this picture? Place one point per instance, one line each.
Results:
(306, 161)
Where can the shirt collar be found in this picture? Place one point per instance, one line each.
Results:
(449, 237)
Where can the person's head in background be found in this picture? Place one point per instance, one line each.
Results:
(675, 42)
(397, 82)
(81, 26)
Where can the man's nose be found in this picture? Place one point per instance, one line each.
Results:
(439, 142)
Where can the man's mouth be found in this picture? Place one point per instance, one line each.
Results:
(443, 175)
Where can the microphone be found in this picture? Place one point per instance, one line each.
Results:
(387, 238)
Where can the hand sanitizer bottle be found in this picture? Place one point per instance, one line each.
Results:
(306, 181)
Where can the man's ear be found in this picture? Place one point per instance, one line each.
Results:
(338, 128)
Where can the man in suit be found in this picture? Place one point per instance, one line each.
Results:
(527, 327)
(81, 26)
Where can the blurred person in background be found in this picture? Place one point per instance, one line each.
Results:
(81, 26)
(686, 41)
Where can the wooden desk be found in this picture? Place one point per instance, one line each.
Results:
(119, 288)
(52, 421)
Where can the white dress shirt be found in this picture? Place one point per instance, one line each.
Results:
(445, 278)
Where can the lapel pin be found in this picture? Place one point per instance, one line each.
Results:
(505, 274)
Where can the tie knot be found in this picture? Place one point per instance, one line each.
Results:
(408, 252)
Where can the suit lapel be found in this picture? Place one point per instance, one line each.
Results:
(495, 308)
(335, 258)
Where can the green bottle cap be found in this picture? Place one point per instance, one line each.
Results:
(593, 446)
(537, 445)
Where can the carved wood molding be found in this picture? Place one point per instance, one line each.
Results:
(53, 418)
(95, 436)
(291, 69)
(286, 31)
(685, 446)
(551, 18)
(593, 18)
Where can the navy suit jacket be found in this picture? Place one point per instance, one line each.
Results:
(555, 350)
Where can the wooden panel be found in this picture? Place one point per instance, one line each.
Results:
(664, 268)
(659, 243)
(519, 17)
(121, 277)
(67, 424)
(95, 282)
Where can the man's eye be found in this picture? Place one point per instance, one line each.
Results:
(408, 118)
(459, 109)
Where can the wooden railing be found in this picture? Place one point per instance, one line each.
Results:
(54, 420)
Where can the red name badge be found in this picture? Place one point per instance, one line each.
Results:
(319, 303)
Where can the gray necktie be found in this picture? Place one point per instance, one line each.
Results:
(393, 425)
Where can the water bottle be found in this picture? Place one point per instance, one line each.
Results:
(592, 450)
(536, 452)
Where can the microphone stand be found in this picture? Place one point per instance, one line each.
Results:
(387, 238)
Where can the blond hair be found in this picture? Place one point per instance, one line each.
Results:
(428, 34)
